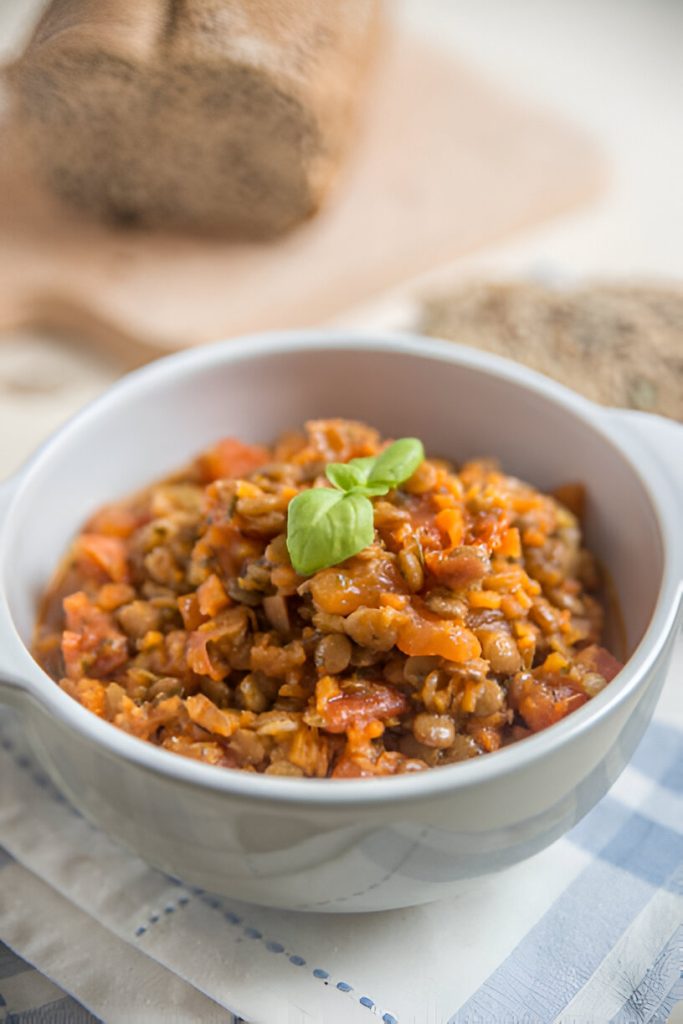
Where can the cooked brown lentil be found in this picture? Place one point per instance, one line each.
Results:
(468, 624)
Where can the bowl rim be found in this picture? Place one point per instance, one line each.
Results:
(30, 678)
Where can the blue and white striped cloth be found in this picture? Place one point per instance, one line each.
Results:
(589, 931)
(28, 997)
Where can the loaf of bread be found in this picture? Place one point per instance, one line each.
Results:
(228, 116)
(617, 344)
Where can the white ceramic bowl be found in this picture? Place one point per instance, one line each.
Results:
(347, 845)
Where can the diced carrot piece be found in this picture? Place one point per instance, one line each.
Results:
(375, 729)
(511, 545)
(390, 600)
(326, 689)
(484, 599)
(152, 638)
(555, 662)
(308, 750)
(442, 501)
(469, 697)
(211, 596)
(204, 712)
(245, 489)
(293, 690)
(533, 538)
(450, 521)
(188, 606)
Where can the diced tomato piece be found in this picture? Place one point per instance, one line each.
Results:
(489, 527)
(598, 659)
(232, 458)
(199, 659)
(426, 634)
(228, 629)
(540, 703)
(573, 497)
(108, 555)
(228, 545)
(91, 693)
(339, 591)
(347, 768)
(487, 736)
(458, 567)
(357, 709)
(73, 654)
(144, 720)
(365, 762)
(116, 521)
(91, 643)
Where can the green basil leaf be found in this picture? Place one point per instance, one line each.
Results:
(325, 527)
(344, 475)
(397, 463)
(372, 490)
(363, 467)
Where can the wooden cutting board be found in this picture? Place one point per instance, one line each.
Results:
(444, 164)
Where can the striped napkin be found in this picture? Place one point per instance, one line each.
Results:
(588, 931)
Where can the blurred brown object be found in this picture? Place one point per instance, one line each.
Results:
(224, 116)
(444, 163)
(617, 344)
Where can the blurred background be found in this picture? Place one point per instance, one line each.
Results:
(552, 157)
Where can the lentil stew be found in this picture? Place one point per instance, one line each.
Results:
(471, 621)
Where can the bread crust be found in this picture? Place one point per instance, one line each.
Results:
(227, 116)
(619, 344)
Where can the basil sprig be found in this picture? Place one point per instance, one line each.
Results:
(326, 525)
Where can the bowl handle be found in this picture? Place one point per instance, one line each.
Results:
(662, 434)
(661, 440)
(12, 690)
